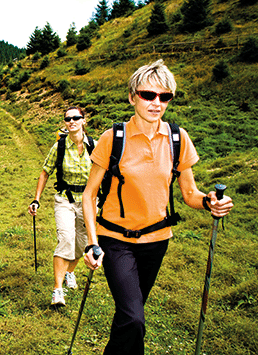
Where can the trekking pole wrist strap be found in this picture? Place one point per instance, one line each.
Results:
(35, 202)
(204, 203)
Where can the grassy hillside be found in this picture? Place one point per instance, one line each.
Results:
(221, 118)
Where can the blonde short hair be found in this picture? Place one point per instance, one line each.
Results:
(153, 73)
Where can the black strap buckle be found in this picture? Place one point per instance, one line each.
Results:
(77, 188)
(175, 172)
(128, 233)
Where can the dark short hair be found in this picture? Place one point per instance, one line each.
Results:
(75, 108)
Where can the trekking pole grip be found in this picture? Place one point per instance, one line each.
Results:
(220, 188)
(97, 251)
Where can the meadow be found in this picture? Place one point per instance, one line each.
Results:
(220, 116)
(30, 326)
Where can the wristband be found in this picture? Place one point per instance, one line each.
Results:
(35, 201)
(88, 247)
(204, 203)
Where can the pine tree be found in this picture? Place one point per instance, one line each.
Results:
(196, 15)
(122, 8)
(50, 40)
(157, 23)
(83, 41)
(71, 37)
(8, 52)
(43, 41)
(34, 44)
(101, 15)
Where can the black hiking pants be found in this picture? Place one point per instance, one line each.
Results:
(131, 270)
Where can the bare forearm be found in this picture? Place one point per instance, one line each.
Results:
(89, 202)
(191, 195)
(43, 178)
(89, 214)
(194, 198)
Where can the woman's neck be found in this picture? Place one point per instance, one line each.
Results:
(76, 137)
(148, 128)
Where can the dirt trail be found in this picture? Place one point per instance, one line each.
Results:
(21, 162)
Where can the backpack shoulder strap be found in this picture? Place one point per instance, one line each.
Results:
(60, 184)
(119, 138)
(175, 144)
(60, 155)
(91, 145)
(118, 146)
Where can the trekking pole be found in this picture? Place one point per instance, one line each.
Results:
(219, 194)
(35, 241)
(96, 253)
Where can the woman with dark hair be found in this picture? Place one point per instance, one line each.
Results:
(71, 233)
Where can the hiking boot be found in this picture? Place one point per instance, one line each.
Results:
(58, 297)
(70, 280)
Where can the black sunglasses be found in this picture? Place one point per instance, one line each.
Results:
(75, 118)
(151, 95)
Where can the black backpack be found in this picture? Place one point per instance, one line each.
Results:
(61, 185)
(119, 142)
(118, 146)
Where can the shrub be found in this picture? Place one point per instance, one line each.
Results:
(220, 43)
(3, 90)
(249, 52)
(67, 93)
(177, 17)
(220, 71)
(84, 41)
(61, 53)
(245, 188)
(224, 26)
(127, 33)
(14, 85)
(248, 2)
(24, 77)
(36, 56)
(81, 68)
(63, 85)
(44, 63)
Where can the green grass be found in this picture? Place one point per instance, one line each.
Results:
(221, 118)
(29, 325)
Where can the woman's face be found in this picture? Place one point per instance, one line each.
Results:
(150, 111)
(74, 125)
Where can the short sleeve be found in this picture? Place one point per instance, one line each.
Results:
(102, 151)
(50, 161)
(188, 154)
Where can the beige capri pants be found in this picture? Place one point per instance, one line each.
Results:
(70, 229)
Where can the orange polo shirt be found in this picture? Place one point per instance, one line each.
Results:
(147, 168)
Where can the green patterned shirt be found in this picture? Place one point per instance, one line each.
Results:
(76, 168)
